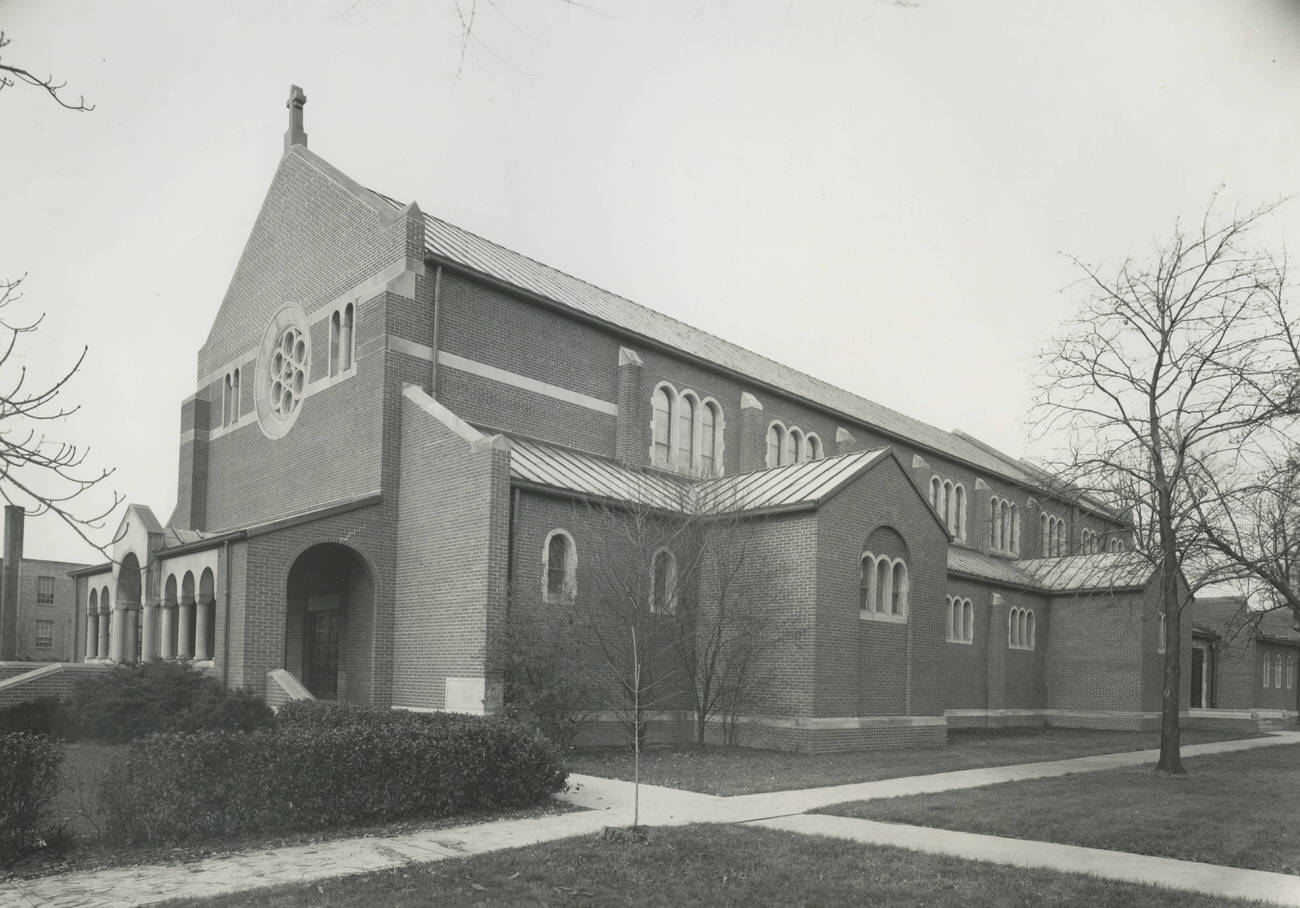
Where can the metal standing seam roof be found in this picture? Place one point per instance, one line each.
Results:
(986, 567)
(795, 485)
(1102, 571)
(471, 251)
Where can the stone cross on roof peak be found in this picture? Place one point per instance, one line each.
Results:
(295, 135)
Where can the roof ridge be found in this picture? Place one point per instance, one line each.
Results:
(664, 315)
(820, 392)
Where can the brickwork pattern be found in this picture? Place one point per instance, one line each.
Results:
(873, 668)
(451, 528)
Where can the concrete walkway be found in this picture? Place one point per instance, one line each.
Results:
(609, 802)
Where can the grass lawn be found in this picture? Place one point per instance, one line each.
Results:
(713, 865)
(740, 770)
(1237, 809)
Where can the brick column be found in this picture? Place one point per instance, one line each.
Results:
(13, 556)
(996, 637)
(167, 631)
(845, 443)
(185, 645)
(192, 474)
(116, 634)
(131, 626)
(753, 434)
(202, 646)
(631, 433)
(149, 632)
(92, 633)
(978, 508)
(103, 648)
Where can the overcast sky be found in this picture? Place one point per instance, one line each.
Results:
(879, 194)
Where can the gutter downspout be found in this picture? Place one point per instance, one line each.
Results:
(437, 312)
(225, 642)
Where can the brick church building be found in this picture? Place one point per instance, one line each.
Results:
(393, 419)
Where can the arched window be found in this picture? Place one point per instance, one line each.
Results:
(661, 452)
(346, 345)
(336, 331)
(814, 447)
(995, 524)
(898, 599)
(1162, 634)
(230, 398)
(1020, 628)
(790, 450)
(1277, 671)
(775, 442)
(708, 438)
(1013, 542)
(1053, 532)
(867, 582)
(559, 568)
(1267, 666)
(961, 620)
(686, 405)
(1290, 672)
(884, 587)
(1043, 543)
(663, 583)
(936, 494)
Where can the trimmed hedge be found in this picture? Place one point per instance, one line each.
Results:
(325, 767)
(29, 778)
(132, 701)
(42, 716)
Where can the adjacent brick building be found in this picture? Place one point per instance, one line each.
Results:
(403, 437)
(39, 601)
(1244, 663)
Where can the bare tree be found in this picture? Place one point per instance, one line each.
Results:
(11, 75)
(1173, 369)
(674, 612)
(726, 621)
(41, 474)
(1251, 522)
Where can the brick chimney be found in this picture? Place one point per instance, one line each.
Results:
(295, 135)
(13, 556)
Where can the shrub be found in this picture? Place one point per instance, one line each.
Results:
(28, 782)
(132, 701)
(42, 716)
(326, 766)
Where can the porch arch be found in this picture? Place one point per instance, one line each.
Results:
(329, 618)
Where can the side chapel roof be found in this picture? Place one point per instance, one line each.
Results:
(795, 485)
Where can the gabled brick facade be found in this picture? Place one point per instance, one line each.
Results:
(368, 531)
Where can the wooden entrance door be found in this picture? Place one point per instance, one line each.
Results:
(324, 633)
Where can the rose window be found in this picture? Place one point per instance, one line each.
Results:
(287, 372)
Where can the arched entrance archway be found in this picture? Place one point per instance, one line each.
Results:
(330, 604)
(126, 612)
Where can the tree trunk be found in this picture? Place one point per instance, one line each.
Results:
(1171, 757)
